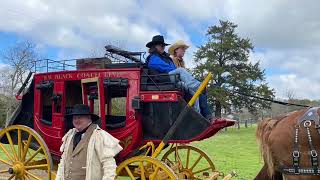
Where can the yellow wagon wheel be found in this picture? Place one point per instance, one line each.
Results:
(143, 167)
(23, 154)
(189, 162)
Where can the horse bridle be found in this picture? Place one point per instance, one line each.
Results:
(306, 121)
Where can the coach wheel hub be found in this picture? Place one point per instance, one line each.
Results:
(17, 169)
(186, 174)
(188, 162)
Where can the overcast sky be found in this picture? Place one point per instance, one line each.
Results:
(285, 33)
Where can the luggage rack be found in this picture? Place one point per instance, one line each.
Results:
(114, 55)
(49, 65)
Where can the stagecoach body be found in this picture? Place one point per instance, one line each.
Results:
(135, 105)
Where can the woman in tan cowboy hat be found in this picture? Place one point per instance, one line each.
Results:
(177, 51)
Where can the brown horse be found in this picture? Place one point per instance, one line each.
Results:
(277, 138)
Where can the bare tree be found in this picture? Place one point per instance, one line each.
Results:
(290, 95)
(5, 80)
(19, 60)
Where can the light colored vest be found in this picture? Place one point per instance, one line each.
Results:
(75, 167)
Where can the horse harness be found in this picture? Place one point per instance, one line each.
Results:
(306, 122)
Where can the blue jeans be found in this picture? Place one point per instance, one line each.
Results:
(191, 84)
(204, 106)
(196, 105)
(201, 105)
(188, 80)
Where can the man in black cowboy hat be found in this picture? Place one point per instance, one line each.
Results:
(87, 150)
(81, 120)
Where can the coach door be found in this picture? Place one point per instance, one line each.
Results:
(91, 94)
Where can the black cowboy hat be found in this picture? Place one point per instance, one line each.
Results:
(82, 109)
(158, 39)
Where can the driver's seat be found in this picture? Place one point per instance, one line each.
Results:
(152, 80)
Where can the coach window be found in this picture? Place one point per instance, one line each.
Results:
(116, 91)
(91, 95)
(46, 89)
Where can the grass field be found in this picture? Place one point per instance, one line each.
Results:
(234, 150)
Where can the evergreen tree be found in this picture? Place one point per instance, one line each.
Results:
(226, 55)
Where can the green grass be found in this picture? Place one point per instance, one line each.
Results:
(28, 155)
(234, 150)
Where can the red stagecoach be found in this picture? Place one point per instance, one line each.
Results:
(143, 109)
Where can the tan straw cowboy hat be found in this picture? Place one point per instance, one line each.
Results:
(177, 45)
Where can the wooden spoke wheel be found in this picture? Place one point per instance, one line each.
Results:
(143, 167)
(189, 162)
(23, 154)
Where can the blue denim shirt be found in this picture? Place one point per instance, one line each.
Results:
(156, 63)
